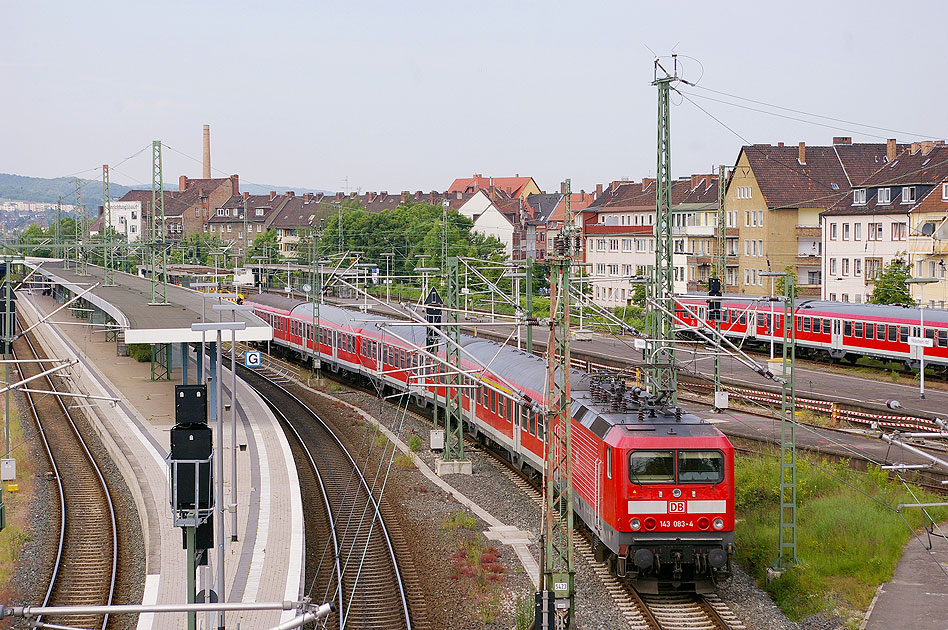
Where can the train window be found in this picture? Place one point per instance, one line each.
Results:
(893, 331)
(652, 466)
(493, 401)
(848, 329)
(826, 326)
(541, 426)
(943, 338)
(761, 320)
(500, 406)
(859, 329)
(700, 467)
(743, 319)
(533, 422)
(608, 462)
(930, 333)
(903, 334)
(806, 324)
(870, 331)
(799, 324)
(724, 316)
(880, 332)
(510, 411)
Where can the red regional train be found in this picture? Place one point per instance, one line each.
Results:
(654, 486)
(838, 330)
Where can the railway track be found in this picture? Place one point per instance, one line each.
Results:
(84, 572)
(350, 540)
(685, 611)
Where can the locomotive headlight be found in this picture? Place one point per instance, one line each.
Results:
(718, 523)
(635, 524)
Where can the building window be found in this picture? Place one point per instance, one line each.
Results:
(859, 196)
(613, 245)
(845, 231)
(845, 266)
(627, 244)
(908, 194)
(899, 231)
(857, 266)
(832, 266)
(875, 232)
(258, 227)
(132, 228)
(745, 192)
(832, 231)
(944, 191)
(873, 267)
(197, 213)
(601, 245)
(857, 231)
(259, 212)
(884, 196)
(230, 228)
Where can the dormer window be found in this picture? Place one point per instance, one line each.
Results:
(259, 212)
(884, 196)
(859, 196)
(908, 194)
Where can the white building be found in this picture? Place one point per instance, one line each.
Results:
(126, 217)
(861, 234)
(492, 222)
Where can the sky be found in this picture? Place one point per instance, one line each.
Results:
(371, 96)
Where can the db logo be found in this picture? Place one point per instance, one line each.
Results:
(252, 358)
(676, 507)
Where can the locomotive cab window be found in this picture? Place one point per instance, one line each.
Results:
(652, 466)
(700, 467)
(608, 462)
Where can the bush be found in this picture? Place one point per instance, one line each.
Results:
(414, 443)
(849, 537)
(141, 352)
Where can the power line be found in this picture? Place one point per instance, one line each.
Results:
(805, 113)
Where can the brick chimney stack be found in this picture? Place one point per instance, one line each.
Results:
(183, 182)
(890, 150)
(207, 152)
(802, 156)
(842, 140)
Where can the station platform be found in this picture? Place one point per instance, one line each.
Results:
(266, 563)
(128, 303)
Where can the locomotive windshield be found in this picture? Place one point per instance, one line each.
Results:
(660, 467)
(700, 466)
(652, 466)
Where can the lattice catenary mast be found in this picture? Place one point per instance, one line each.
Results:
(558, 567)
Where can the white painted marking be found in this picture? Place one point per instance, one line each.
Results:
(648, 507)
(149, 597)
(707, 507)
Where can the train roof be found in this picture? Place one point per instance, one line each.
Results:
(891, 311)
(275, 301)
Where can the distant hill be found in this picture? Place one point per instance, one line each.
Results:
(46, 190)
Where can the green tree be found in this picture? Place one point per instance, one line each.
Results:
(781, 282)
(890, 286)
(265, 245)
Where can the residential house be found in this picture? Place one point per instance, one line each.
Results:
(515, 186)
(298, 217)
(132, 215)
(196, 201)
(228, 222)
(862, 233)
(779, 193)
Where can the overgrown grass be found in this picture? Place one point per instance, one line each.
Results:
(414, 443)
(15, 534)
(141, 352)
(849, 537)
(459, 520)
(404, 461)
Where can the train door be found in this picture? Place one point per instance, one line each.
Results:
(515, 430)
(836, 343)
(752, 323)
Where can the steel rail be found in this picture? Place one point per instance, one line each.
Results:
(362, 482)
(63, 512)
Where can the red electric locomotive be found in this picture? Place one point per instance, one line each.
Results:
(653, 485)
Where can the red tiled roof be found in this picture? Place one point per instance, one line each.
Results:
(787, 183)
(513, 186)
(913, 166)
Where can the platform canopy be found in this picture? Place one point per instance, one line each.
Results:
(128, 303)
